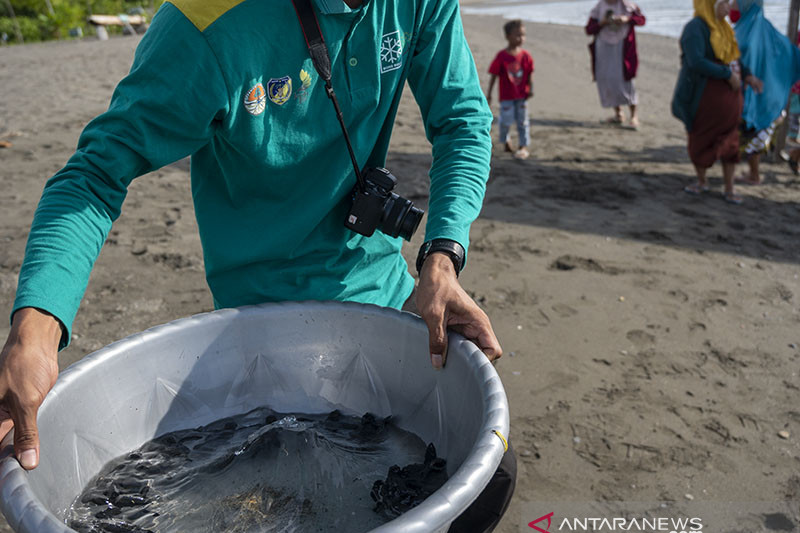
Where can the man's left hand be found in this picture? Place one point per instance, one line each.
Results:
(443, 303)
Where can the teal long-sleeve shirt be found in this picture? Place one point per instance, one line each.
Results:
(231, 83)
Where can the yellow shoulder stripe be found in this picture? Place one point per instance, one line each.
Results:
(203, 13)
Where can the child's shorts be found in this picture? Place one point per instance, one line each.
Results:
(514, 112)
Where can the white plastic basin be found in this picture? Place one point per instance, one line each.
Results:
(309, 357)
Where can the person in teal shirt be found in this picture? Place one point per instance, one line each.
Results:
(232, 84)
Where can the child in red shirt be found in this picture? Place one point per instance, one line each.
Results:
(514, 67)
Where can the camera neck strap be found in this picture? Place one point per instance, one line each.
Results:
(322, 63)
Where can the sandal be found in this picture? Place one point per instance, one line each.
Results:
(612, 120)
(696, 189)
(732, 198)
(522, 153)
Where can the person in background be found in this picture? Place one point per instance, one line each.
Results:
(614, 57)
(794, 160)
(772, 58)
(514, 66)
(794, 126)
(794, 114)
(708, 94)
(753, 144)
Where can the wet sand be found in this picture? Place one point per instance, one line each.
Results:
(651, 337)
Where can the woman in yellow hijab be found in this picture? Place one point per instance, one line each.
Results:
(708, 96)
(723, 39)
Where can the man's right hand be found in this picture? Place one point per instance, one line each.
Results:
(28, 370)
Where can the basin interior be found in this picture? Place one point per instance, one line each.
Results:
(293, 358)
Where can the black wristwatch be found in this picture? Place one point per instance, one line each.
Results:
(453, 249)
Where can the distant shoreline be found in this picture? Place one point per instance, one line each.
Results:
(663, 17)
(468, 13)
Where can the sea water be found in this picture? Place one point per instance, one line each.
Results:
(263, 472)
(664, 17)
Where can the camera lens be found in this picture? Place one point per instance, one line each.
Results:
(411, 221)
(400, 217)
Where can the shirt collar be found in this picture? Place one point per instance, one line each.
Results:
(335, 7)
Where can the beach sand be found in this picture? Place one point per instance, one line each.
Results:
(651, 337)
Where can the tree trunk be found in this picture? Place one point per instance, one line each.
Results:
(16, 24)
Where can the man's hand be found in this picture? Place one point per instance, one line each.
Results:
(443, 303)
(28, 370)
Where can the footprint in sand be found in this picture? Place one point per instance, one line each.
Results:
(713, 299)
(679, 295)
(778, 292)
(654, 251)
(710, 303)
(770, 244)
(640, 338)
(697, 326)
(736, 225)
(571, 262)
(564, 311)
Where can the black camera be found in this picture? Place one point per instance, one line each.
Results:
(375, 206)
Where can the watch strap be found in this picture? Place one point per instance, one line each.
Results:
(449, 247)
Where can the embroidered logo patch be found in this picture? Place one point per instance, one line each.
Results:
(305, 77)
(255, 100)
(280, 89)
(391, 52)
(305, 83)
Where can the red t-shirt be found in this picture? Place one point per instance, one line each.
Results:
(513, 72)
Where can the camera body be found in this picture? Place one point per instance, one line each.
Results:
(375, 206)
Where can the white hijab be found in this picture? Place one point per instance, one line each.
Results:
(613, 33)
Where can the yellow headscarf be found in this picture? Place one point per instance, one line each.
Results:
(723, 40)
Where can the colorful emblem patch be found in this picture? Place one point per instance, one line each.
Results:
(280, 89)
(255, 100)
